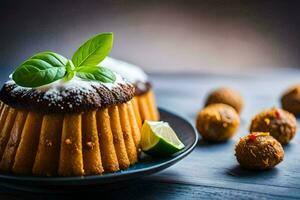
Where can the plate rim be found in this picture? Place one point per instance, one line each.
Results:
(141, 172)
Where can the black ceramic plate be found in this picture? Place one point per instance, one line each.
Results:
(147, 165)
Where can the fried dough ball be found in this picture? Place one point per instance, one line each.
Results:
(258, 151)
(279, 123)
(217, 122)
(226, 96)
(290, 100)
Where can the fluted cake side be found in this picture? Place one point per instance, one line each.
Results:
(70, 144)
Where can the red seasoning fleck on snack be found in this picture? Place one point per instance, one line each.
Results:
(252, 137)
(277, 113)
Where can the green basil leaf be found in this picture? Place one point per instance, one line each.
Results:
(93, 51)
(53, 58)
(96, 74)
(40, 69)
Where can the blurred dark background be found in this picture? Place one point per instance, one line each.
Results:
(160, 36)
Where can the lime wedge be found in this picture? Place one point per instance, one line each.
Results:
(159, 139)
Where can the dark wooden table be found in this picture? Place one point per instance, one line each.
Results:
(211, 171)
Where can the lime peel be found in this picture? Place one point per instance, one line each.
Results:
(159, 139)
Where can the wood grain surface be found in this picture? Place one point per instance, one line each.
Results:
(210, 171)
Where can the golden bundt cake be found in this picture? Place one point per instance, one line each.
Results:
(72, 128)
(144, 101)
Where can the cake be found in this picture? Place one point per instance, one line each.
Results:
(144, 100)
(70, 128)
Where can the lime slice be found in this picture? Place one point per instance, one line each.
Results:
(159, 139)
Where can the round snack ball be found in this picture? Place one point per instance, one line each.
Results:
(290, 100)
(217, 122)
(226, 96)
(258, 150)
(279, 123)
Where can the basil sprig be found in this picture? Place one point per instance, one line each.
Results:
(47, 67)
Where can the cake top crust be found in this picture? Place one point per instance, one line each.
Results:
(76, 95)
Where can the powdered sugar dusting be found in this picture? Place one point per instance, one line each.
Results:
(129, 71)
(75, 84)
(80, 84)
